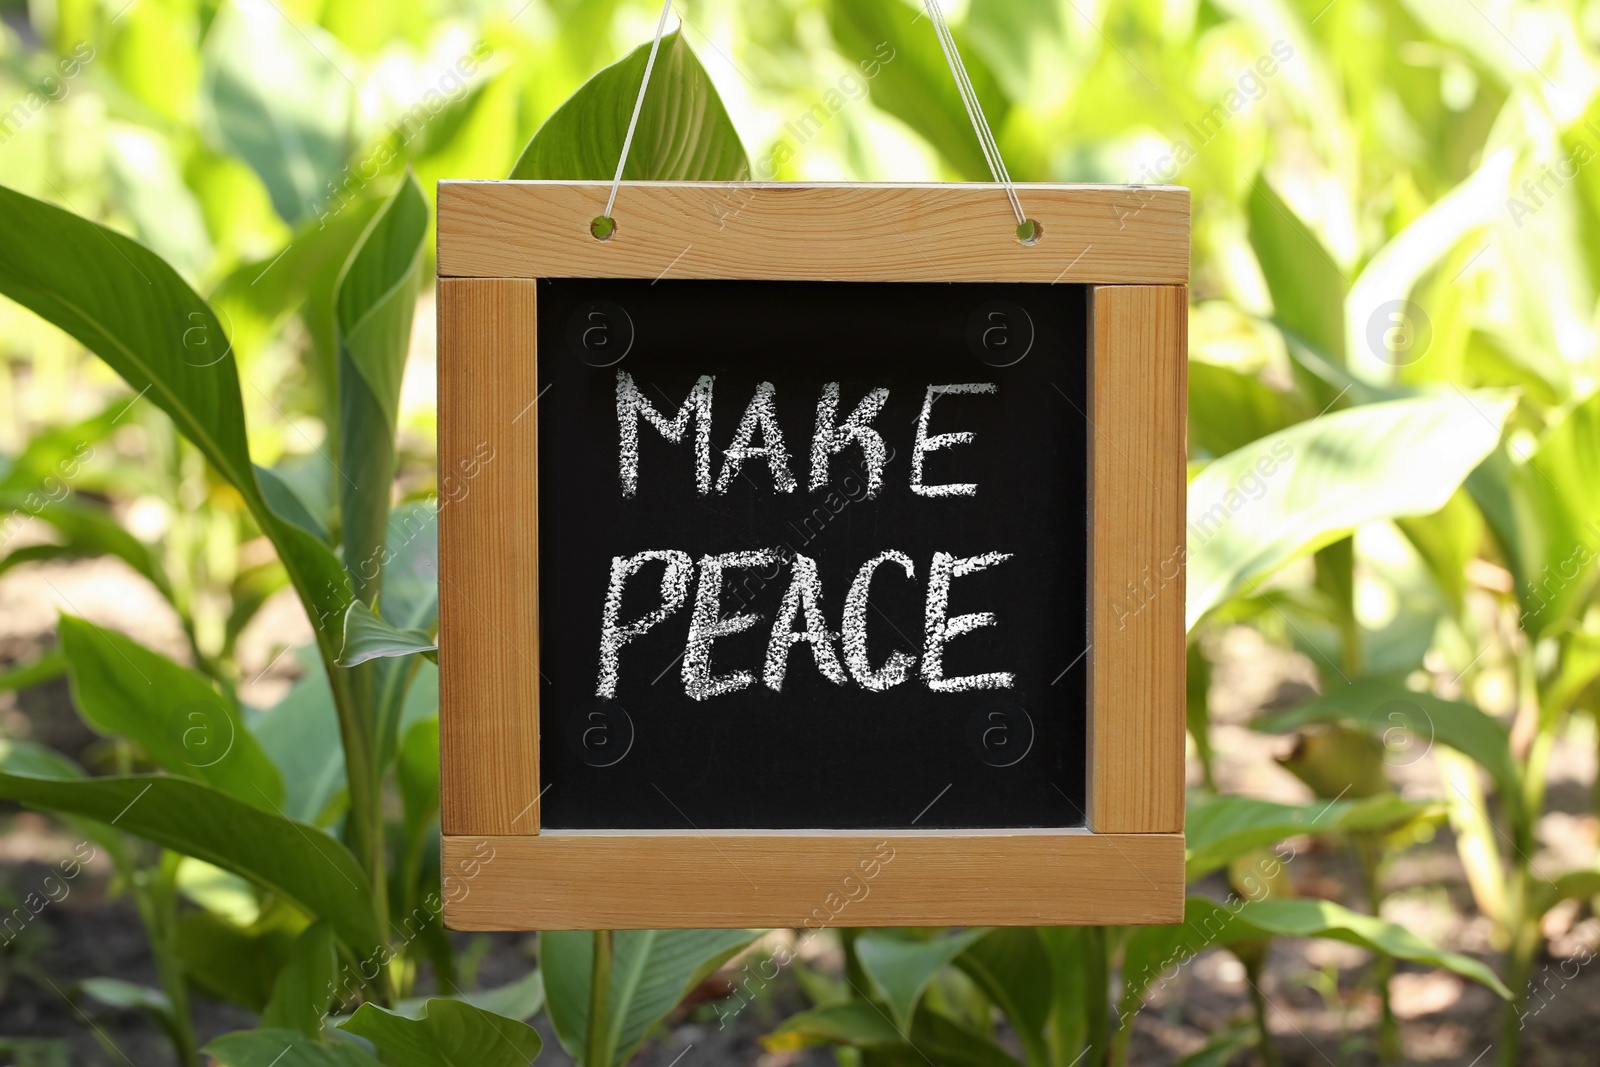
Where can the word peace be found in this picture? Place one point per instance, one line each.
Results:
(802, 603)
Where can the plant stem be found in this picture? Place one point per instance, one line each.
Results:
(1097, 996)
(596, 1052)
(1369, 851)
(352, 693)
(155, 892)
(1255, 960)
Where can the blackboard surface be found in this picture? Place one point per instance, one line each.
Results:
(815, 754)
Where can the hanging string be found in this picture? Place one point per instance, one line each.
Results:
(604, 226)
(1028, 231)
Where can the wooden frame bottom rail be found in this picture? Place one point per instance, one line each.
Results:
(642, 880)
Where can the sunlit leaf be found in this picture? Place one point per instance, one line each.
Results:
(1256, 509)
(683, 134)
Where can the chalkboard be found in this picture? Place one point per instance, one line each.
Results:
(981, 724)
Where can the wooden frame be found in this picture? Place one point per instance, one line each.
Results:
(500, 872)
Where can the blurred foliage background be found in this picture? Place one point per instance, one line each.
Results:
(1396, 263)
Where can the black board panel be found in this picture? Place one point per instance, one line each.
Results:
(814, 754)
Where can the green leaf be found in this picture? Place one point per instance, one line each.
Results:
(233, 964)
(1152, 950)
(133, 311)
(1308, 288)
(900, 970)
(863, 1025)
(284, 1048)
(377, 294)
(895, 48)
(1574, 885)
(277, 95)
(521, 999)
(301, 993)
(367, 637)
(127, 996)
(89, 530)
(301, 736)
(299, 861)
(418, 772)
(57, 454)
(1228, 410)
(411, 600)
(1219, 830)
(45, 667)
(286, 501)
(1013, 969)
(448, 1032)
(1256, 509)
(257, 297)
(683, 134)
(858, 1024)
(185, 726)
(651, 972)
(1384, 706)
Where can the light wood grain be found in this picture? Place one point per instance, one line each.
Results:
(1139, 399)
(565, 880)
(827, 232)
(488, 558)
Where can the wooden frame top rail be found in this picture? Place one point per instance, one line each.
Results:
(1091, 234)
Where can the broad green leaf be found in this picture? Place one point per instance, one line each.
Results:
(411, 602)
(1553, 542)
(859, 1024)
(185, 726)
(133, 311)
(1013, 969)
(897, 53)
(377, 294)
(367, 636)
(521, 999)
(418, 772)
(299, 861)
(37, 1051)
(301, 993)
(284, 1048)
(89, 530)
(651, 972)
(301, 736)
(683, 134)
(1224, 1048)
(1447, 541)
(258, 297)
(1386, 707)
(1229, 409)
(863, 1025)
(1308, 288)
(1379, 301)
(284, 499)
(124, 996)
(148, 186)
(900, 970)
(233, 964)
(1574, 885)
(1079, 991)
(1256, 509)
(1154, 950)
(58, 455)
(45, 667)
(280, 97)
(1219, 830)
(448, 1032)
